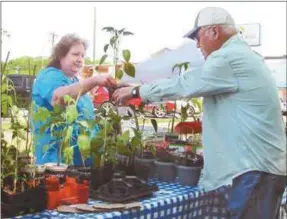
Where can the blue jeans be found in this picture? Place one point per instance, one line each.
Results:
(256, 195)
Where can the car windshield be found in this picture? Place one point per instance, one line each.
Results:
(17, 81)
(278, 70)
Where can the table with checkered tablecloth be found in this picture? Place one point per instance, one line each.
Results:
(171, 201)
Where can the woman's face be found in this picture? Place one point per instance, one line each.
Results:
(72, 63)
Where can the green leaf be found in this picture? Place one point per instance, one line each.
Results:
(68, 99)
(124, 150)
(125, 136)
(106, 47)
(119, 74)
(84, 123)
(69, 155)
(68, 134)
(72, 113)
(132, 108)
(126, 118)
(9, 100)
(113, 41)
(84, 145)
(41, 114)
(137, 133)
(126, 55)
(175, 67)
(154, 124)
(4, 88)
(44, 128)
(102, 60)
(185, 65)
(96, 143)
(183, 112)
(153, 150)
(197, 102)
(126, 33)
(109, 29)
(22, 122)
(135, 142)
(129, 69)
(57, 108)
(141, 107)
(121, 30)
(45, 148)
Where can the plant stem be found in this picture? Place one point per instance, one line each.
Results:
(83, 161)
(105, 140)
(136, 121)
(143, 125)
(60, 152)
(173, 117)
(5, 64)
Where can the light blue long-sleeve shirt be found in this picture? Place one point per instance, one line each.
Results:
(243, 129)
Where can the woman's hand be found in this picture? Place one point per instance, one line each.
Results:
(105, 80)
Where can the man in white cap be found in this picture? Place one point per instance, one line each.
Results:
(243, 132)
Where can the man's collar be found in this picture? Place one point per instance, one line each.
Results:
(231, 39)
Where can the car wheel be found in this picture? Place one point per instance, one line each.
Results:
(106, 106)
(159, 112)
(190, 111)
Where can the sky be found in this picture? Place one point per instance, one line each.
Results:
(155, 25)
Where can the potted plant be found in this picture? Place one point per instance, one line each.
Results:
(147, 152)
(189, 166)
(165, 168)
(18, 190)
(114, 44)
(105, 146)
(67, 118)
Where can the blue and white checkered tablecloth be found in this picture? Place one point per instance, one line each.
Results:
(171, 201)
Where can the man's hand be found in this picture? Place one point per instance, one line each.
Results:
(122, 95)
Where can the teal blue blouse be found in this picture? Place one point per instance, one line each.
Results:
(45, 84)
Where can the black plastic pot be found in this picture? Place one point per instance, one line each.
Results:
(124, 188)
(188, 176)
(149, 162)
(32, 200)
(138, 169)
(100, 176)
(59, 171)
(165, 171)
(80, 173)
(25, 159)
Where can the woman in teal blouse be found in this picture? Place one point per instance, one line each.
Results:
(56, 81)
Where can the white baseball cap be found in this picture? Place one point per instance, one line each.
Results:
(210, 16)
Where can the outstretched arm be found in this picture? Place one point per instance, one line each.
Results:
(215, 77)
(83, 86)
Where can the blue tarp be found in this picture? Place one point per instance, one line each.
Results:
(278, 69)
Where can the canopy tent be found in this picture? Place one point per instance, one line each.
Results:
(278, 69)
(160, 66)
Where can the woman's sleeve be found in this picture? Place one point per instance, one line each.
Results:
(48, 83)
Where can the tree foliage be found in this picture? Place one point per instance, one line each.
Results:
(25, 64)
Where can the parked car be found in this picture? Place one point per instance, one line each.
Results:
(191, 111)
(101, 100)
(283, 105)
(23, 87)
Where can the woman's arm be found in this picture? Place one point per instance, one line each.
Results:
(82, 87)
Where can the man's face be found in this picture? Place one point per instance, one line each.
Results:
(206, 40)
